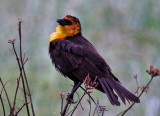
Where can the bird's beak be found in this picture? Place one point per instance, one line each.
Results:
(61, 21)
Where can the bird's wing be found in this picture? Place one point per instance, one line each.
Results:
(73, 59)
(66, 55)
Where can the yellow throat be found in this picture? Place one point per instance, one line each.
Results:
(58, 34)
(64, 31)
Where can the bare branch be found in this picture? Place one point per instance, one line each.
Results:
(3, 87)
(90, 106)
(77, 104)
(4, 113)
(14, 102)
(62, 94)
(22, 64)
(89, 85)
(153, 72)
(21, 108)
(80, 102)
(3, 108)
(21, 61)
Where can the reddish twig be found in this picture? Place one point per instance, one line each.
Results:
(94, 111)
(21, 61)
(21, 66)
(80, 102)
(101, 110)
(65, 108)
(73, 108)
(4, 113)
(21, 75)
(138, 87)
(21, 108)
(97, 106)
(153, 72)
(23, 90)
(68, 109)
(90, 106)
(3, 86)
(124, 112)
(77, 104)
(69, 98)
(14, 102)
(89, 85)
(3, 108)
(62, 94)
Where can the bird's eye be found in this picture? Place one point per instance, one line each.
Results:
(67, 22)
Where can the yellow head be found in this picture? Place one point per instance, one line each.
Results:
(68, 26)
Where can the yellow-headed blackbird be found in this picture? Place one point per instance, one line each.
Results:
(75, 57)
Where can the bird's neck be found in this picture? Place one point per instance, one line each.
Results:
(62, 32)
(56, 35)
(59, 34)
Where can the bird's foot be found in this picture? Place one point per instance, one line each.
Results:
(70, 98)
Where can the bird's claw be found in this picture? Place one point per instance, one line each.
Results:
(70, 98)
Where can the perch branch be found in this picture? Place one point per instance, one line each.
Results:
(153, 72)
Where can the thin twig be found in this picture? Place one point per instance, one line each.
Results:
(143, 90)
(14, 102)
(61, 104)
(19, 64)
(90, 107)
(19, 25)
(21, 108)
(68, 109)
(4, 113)
(21, 67)
(3, 86)
(89, 85)
(94, 111)
(24, 62)
(69, 97)
(77, 104)
(65, 108)
(97, 106)
(23, 90)
(138, 87)
(62, 94)
(80, 102)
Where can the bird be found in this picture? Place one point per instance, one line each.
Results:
(75, 57)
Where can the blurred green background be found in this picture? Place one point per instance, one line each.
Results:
(126, 33)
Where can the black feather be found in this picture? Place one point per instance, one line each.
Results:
(75, 57)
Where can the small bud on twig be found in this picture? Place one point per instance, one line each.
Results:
(62, 94)
(89, 84)
(153, 71)
(11, 41)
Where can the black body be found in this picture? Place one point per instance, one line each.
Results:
(75, 57)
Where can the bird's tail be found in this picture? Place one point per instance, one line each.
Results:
(110, 84)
